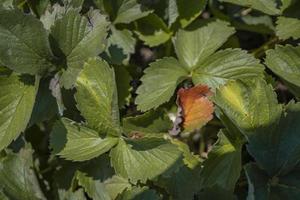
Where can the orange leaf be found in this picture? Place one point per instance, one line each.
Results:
(197, 109)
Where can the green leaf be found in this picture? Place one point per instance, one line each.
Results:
(261, 186)
(96, 96)
(190, 159)
(3, 196)
(182, 184)
(45, 106)
(144, 159)
(88, 40)
(166, 70)
(17, 94)
(24, 45)
(216, 193)
(130, 11)
(116, 185)
(288, 28)
(95, 189)
(73, 3)
(224, 164)
(186, 12)
(250, 104)
(52, 14)
(192, 47)
(284, 61)
(121, 44)
(224, 65)
(153, 30)
(123, 85)
(258, 182)
(18, 179)
(38, 7)
(278, 142)
(266, 6)
(153, 121)
(78, 143)
(137, 193)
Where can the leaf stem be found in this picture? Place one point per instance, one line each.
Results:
(259, 52)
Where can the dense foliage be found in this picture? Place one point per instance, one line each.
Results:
(149, 99)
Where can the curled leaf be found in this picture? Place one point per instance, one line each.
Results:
(196, 108)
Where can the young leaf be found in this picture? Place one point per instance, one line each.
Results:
(144, 159)
(130, 11)
(78, 143)
(196, 107)
(192, 47)
(17, 96)
(288, 28)
(266, 6)
(284, 61)
(24, 45)
(18, 179)
(159, 83)
(223, 166)
(97, 98)
(225, 65)
(76, 39)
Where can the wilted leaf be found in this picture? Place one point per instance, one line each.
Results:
(196, 107)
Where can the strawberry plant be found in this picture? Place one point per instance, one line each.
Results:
(148, 99)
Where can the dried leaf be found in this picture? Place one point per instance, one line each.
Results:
(197, 109)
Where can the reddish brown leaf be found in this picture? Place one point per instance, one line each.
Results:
(197, 109)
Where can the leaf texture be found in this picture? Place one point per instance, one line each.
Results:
(24, 45)
(159, 83)
(78, 143)
(76, 39)
(196, 107)
(97, 82)
(17, 100)
(144, 159)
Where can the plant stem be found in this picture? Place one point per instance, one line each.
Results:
(259, 52)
